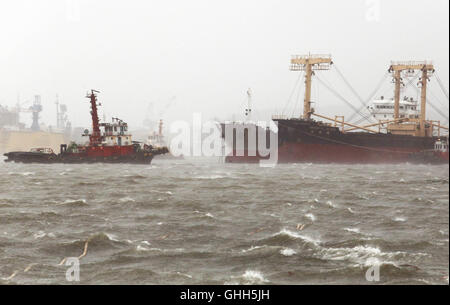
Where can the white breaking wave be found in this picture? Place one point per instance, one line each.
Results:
(111, 237)
(75, 201)
(399, 219)
(142, 248)
(364, 255)
(126, 199)
(254, 277)
(184, 274)
(41, 234)
(311, 216)
(252, 248)
(353, 230)
(298, 236)
(288, 252)
(331, 204)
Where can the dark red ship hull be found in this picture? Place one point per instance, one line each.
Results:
(314, 142)
(329, 153)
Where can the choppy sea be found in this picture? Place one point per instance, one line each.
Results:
(199, 221)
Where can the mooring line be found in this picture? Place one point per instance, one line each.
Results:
(300, 226)
(28, 268)
(82, 254)
(11, 276)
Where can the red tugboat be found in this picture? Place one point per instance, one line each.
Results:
(113, 145)
(437, 155)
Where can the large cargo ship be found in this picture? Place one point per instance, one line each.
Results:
(112, 144)
(403, 133)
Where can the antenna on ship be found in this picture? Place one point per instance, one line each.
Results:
(309, 63)
(160, 128)
(58, 115)
(248, 110)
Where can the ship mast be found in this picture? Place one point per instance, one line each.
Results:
(95, 137)
(248, 110)
(309, 64)
(397, 68)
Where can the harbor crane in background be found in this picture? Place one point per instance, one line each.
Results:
(34, 109)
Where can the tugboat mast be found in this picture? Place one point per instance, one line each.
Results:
(95, 137)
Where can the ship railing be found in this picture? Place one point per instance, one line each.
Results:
(280, 117)
(45, 150)
(412, 63)
(311, 56)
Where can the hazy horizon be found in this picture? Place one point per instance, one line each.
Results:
(202, 56)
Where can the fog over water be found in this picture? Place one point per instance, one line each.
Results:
(204, 55)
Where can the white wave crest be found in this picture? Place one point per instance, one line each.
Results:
(288, 252)
(399, 219)
(310, 216)
(252, 248)
(352, 230)
(254, 277)
(126, 199)
(295, 235)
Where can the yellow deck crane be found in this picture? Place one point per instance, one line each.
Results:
(309, 64)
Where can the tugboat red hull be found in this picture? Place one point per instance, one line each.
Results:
(93, 155)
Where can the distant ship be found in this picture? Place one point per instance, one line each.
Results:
(156, 139)
(108, 143)
(404, 134)
(15, 136)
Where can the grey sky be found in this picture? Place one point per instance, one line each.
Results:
(206, 53)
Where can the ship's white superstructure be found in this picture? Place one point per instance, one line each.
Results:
(383, 109)
(116, 133)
